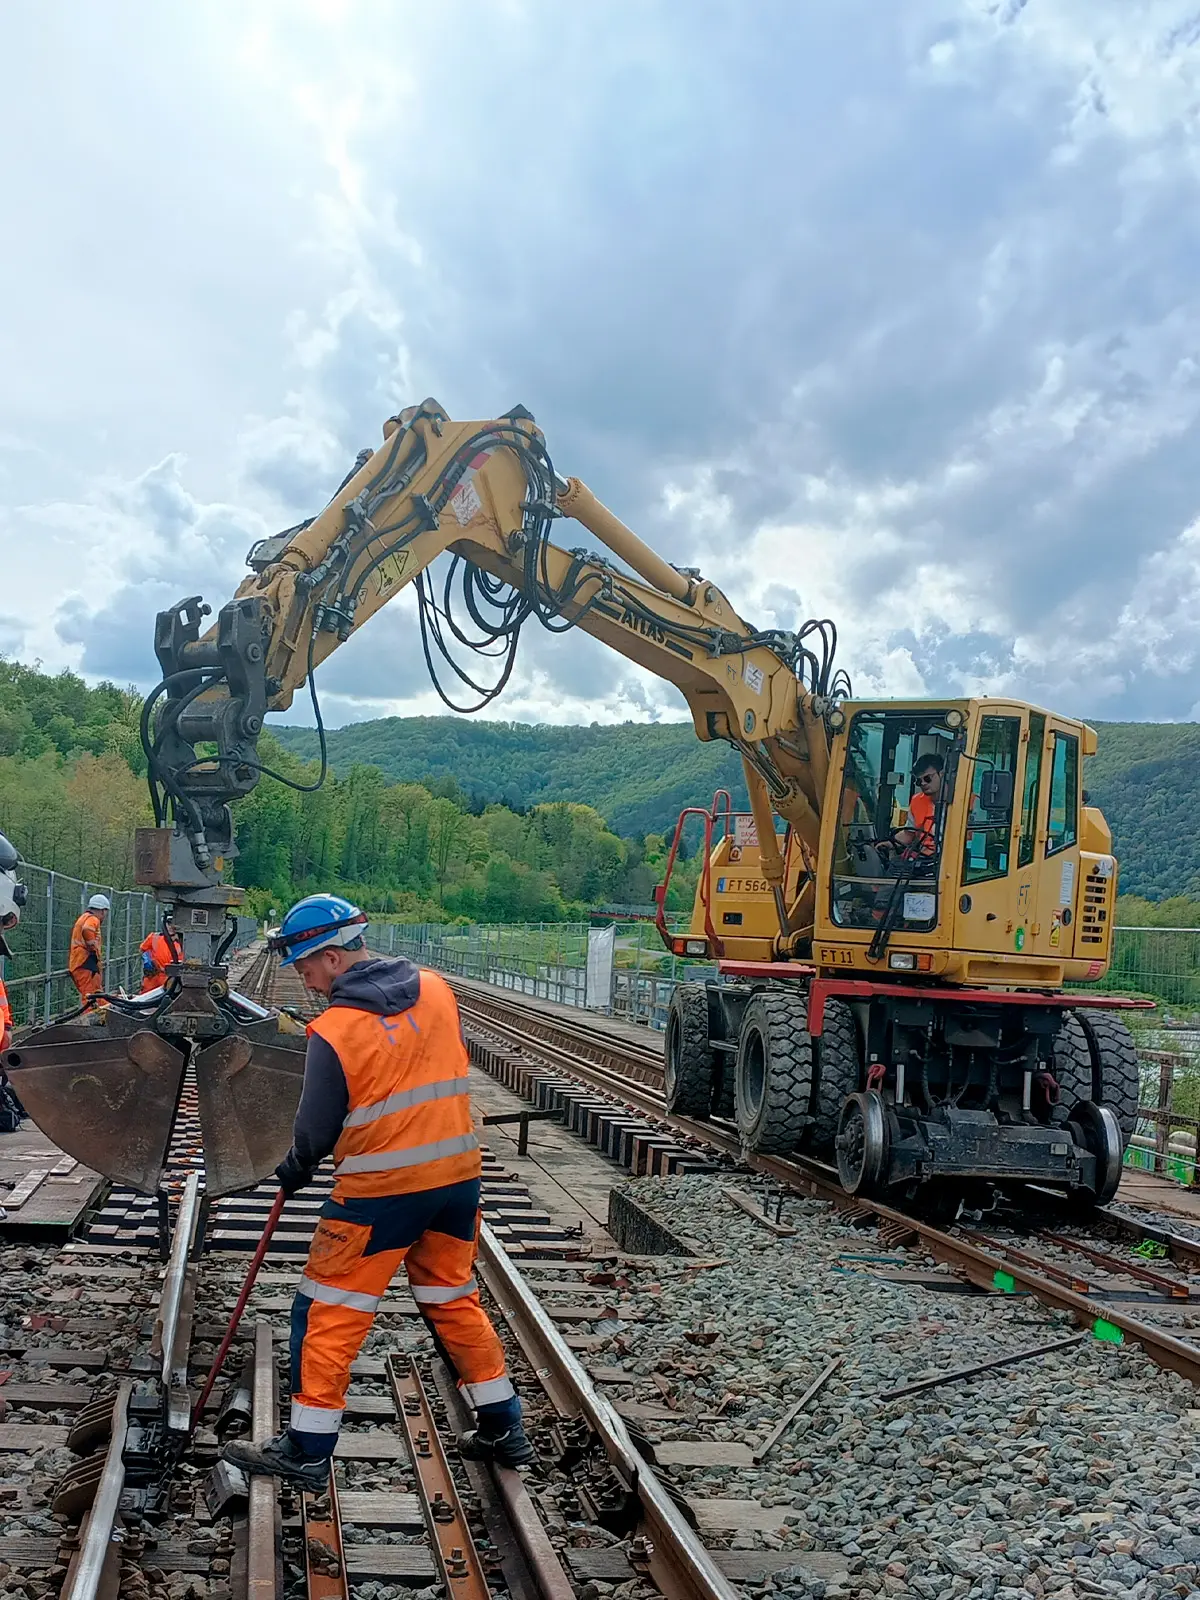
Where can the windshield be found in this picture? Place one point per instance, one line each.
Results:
(891, 820)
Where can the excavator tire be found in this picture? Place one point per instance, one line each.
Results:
(689, 1066)
(837, 1075)
(1095, 1059)
(774, 1073)
(1115, 1067)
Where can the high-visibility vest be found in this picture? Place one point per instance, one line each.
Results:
(408, 1125)
(5, 1008)
(158, 948)
(85, 944)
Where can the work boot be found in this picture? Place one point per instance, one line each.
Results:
(500, 1436)
(281, 1457)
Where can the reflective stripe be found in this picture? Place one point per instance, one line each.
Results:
(437, 1295)
(387, 1160)
(337, 1297)
(487, 1394)
(315, 1419)
(447, 1089)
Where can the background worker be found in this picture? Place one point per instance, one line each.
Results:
(85, 960)
(385, 1090)
(158, 951)
(13, 896)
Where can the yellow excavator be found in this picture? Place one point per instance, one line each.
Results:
(893, 921)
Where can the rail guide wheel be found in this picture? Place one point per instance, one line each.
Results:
(1098, 1131)
(862, 1143)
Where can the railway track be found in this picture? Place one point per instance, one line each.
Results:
(1086, 1269)
(108, 1492)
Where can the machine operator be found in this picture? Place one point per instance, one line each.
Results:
(927, 776)
(85, 960)
(385, 1092)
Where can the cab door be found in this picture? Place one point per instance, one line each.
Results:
(1056, 850)
(989, 775)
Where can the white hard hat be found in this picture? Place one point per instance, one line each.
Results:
(13, 895)
(99, 902)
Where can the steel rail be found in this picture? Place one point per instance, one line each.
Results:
(263, 1498)
(984, 1268)
(446, 1521)
(87, 1578)
(679, 1563)
(173, 1323)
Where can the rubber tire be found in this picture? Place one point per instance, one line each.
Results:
(837, 1074)
(1095, 1059)
(1115, 1064)
(687, 1050)
(1073, 1062)
(774, 1037)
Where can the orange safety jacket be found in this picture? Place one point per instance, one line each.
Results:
(158, 947)
(408, 1123)
(5, 1010)
(86, 949)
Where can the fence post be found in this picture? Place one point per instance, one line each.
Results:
(1162, 1124)
(49, 983)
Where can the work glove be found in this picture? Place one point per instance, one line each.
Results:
(292, 1174)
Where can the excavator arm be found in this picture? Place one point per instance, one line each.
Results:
(487, 494)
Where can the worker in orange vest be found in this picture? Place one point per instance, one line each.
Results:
(13, 896)
(85, 959)
(385, 1092)
(158, 951)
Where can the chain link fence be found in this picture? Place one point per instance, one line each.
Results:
(38, 983)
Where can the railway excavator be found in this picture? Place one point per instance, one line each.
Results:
(894, 921)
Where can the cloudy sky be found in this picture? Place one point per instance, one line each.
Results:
(886, 312)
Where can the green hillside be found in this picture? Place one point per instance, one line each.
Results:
(1146, 777)
(637, 775)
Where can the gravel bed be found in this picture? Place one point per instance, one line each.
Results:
(1067, 1476)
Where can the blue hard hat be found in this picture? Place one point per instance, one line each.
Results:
(316, 922)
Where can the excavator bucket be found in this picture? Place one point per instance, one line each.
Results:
(248, 1089)
(108, 1094)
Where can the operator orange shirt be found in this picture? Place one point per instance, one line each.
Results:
(920, 819)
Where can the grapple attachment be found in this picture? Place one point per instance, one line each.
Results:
(108, 1093)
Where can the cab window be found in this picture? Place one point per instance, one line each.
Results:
(990, 804)
(1062, 823)
(1032, 787)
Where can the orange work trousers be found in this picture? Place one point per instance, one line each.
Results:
(86, 982)
(355, 1252)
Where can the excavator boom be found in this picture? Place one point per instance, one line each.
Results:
(487, 495)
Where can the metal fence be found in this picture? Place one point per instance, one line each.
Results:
(1161, 962)
(548, 960)
(39, 986)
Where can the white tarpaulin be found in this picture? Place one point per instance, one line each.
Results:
(601, 943)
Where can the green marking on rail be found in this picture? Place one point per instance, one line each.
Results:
(1108, 1332)
(1005, 1281)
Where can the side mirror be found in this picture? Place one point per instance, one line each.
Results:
(996, 791)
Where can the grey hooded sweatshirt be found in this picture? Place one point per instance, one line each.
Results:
(383, 987)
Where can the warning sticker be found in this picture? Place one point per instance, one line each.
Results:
(753, 676)
(389, 573)
(745, 834)
(465, 502)
(1055, 930)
